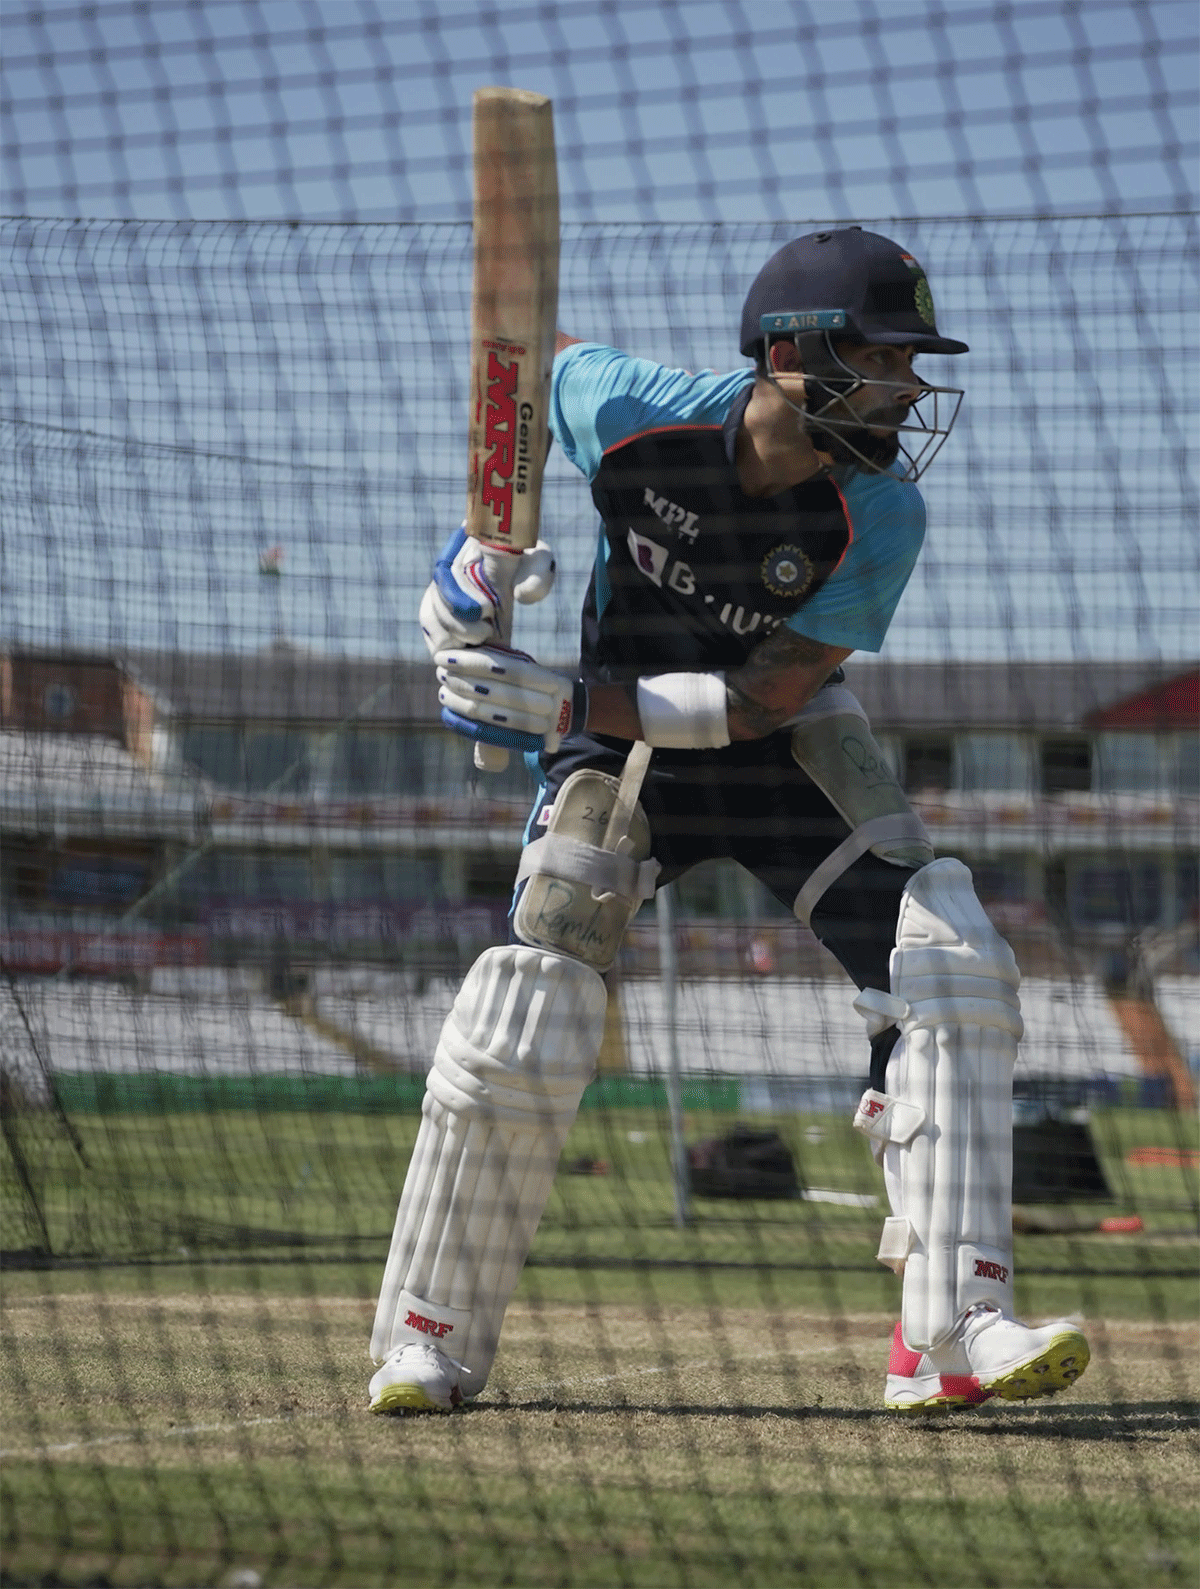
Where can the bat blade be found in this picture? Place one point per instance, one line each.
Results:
(513, 313)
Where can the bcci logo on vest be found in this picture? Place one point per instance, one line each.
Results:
(786, 571)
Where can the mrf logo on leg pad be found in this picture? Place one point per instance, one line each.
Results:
(987, 1269)
(436, 1327)
(416, 1318)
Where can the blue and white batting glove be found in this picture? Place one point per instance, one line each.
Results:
(506, 698)
(470, 601)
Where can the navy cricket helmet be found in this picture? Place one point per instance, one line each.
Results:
(847, 282)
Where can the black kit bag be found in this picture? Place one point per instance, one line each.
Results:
(1054, 1161)
(743, 1163)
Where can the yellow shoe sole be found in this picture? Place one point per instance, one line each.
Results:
(1054, 1369)
(935, 1406)
(404, 1399)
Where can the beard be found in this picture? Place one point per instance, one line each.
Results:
(856, 444)
(856, 447)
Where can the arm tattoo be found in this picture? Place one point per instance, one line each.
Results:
(783, 649)
(779, 653)
(756, 719)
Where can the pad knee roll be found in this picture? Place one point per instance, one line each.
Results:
(515, 1053)
(944, 1125)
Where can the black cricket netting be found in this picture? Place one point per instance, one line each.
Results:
(244, 869)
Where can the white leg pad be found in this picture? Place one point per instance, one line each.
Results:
(945, 1122)
(515, 1054)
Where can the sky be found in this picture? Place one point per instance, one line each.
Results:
(180, 396)
(697, 110)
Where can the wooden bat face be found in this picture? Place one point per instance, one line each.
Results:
(514, 308)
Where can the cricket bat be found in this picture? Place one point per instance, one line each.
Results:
(514, 311)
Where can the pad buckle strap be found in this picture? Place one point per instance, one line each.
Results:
(887, 1119)
(880, 1010)
(896, 1241)
(894, 827)
(603, 871)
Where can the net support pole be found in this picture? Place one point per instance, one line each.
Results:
(668, 975)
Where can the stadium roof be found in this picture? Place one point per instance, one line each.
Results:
(1046, 697)
(1174, 703)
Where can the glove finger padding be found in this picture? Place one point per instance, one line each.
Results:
(497, 697)
(505, 690)
(442, 628)
(470, 600)
(535, 575)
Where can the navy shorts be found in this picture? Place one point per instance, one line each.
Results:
(750, 803)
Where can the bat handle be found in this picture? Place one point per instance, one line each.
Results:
(490, 758)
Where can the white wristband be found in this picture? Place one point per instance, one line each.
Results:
(683, 711)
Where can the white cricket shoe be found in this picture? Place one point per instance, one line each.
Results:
(988, 1355)
(415, 1377)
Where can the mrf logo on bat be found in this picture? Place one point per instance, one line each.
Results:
(507, 432)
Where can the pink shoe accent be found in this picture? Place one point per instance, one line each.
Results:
(903, 1361)
(965, 1389)
(956, 1390)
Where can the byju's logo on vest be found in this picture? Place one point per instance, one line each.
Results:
(655, 562)
(650, 558)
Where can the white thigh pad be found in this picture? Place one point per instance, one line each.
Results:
(945, 1122)
(579, 897)
(515, 1054)
(832, 742)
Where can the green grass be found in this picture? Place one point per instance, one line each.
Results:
(151, 1185)
(670, 1406)
(394, 1533)
(164, 1426)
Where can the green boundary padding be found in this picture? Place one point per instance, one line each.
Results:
(718, 1093)
(159, 1092)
